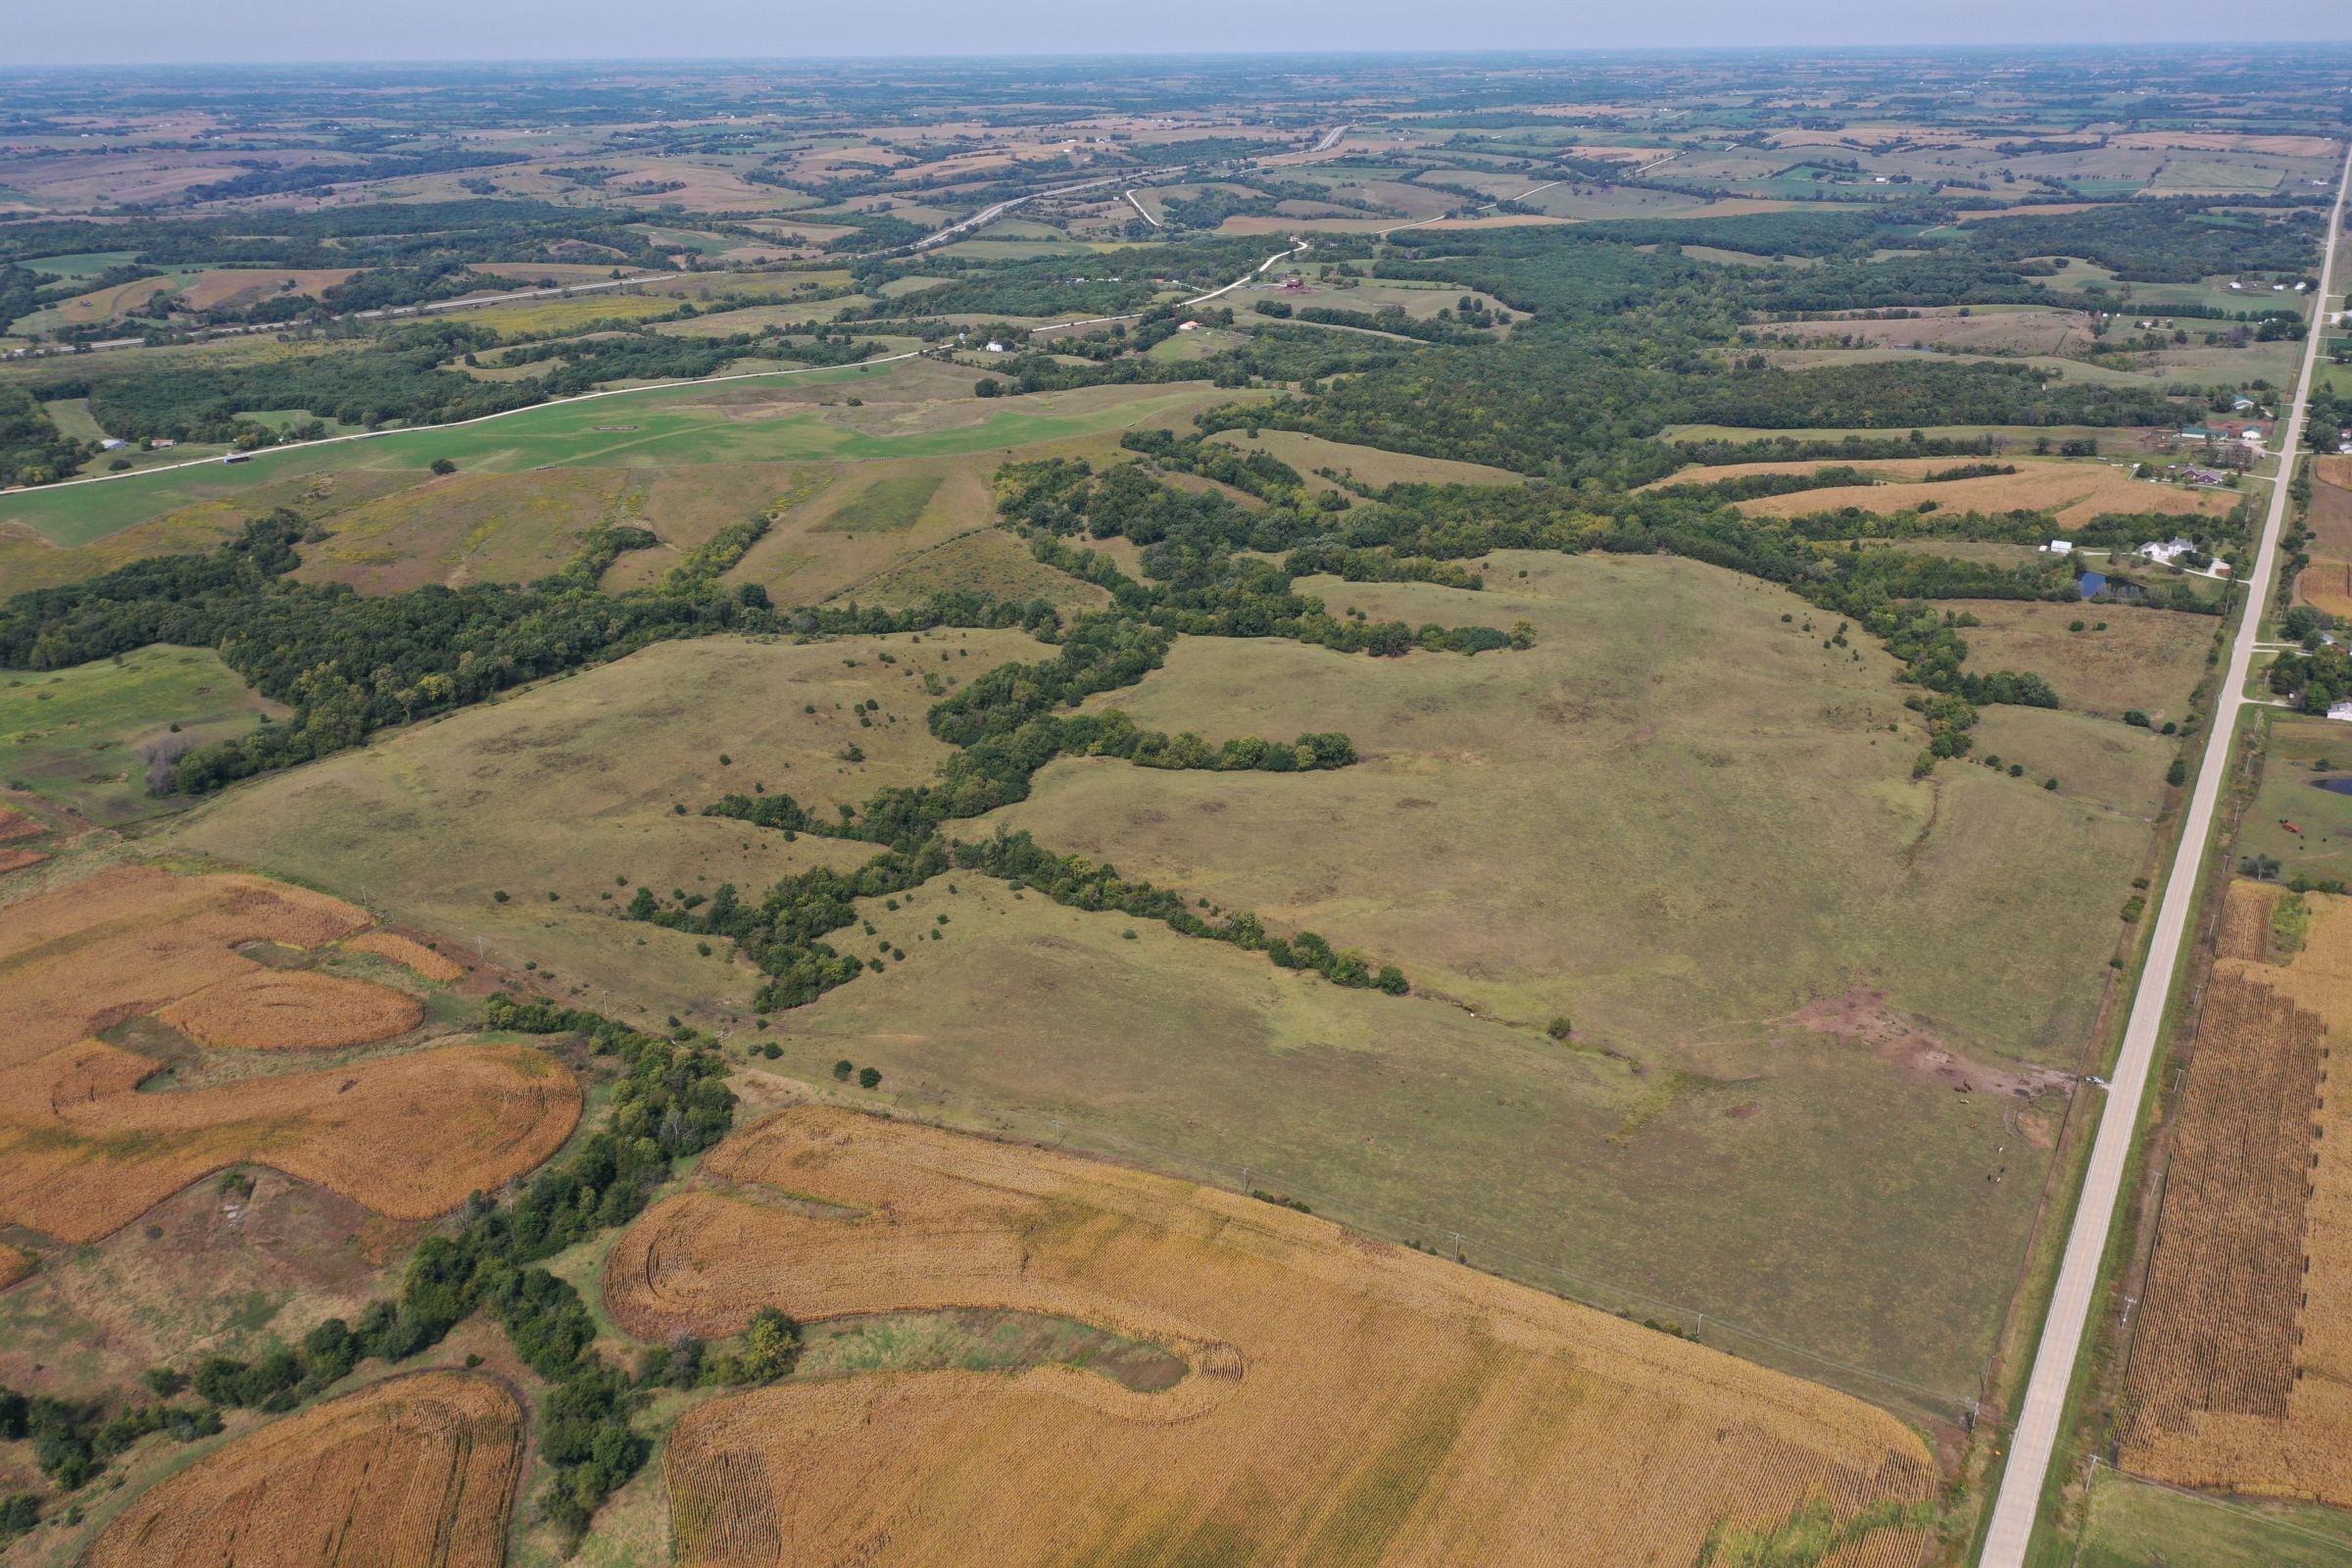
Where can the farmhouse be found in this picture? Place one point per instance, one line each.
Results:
(2170, 550)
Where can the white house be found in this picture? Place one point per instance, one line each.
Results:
(2167, 553)
(2343, 710)
(2059, 547)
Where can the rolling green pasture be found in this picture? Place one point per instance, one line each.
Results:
(1629, 824)
(742, 421)
(569, 786)
(85, 264)
(77, 735)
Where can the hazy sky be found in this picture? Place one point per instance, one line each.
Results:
(140, 31)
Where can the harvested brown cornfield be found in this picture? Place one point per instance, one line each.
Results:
(15, 1264)
(408, 954)
(2245, 927)
(18, 860)
(83, 1152)
(2074, 493)
(293, 1009)
(2241, 1369)
(15, 824)
(1349, 1400)
(412, 1471)
(409, 1135)
(2326, 585)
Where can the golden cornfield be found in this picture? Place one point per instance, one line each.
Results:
(294, 1010)
(2241, 1369)
(83, 1152)
(1349, 1400)
(413, 1472)
(408, 954)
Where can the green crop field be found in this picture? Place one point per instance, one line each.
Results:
(81, 736)
(888, 505)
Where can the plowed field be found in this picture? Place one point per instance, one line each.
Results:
(1348, 1400)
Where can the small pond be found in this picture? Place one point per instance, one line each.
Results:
(2334, 786)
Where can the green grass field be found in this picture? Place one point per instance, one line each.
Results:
(569, 785)
(2136, 1524)
(77, 735)
(1677, 819)
(889, 505)
(1580, 1173)
(2307, 829)
(912, 410)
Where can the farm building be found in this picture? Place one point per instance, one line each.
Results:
(2059, 547)
(2170, 550)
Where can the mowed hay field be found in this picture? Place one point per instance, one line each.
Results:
(571, 786)
(81, 736)
(468, 527)
(2242, 1375)
(2075, 492)
(1367, 465)
(1348, 1400)
(2149, 659)
(413, 1470)
(83, 1151)
(1677, 819)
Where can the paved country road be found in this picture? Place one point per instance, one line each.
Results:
(2039, 1419)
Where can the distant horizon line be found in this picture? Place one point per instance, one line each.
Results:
(2031, 46)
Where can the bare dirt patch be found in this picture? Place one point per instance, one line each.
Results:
(1861, 1016)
